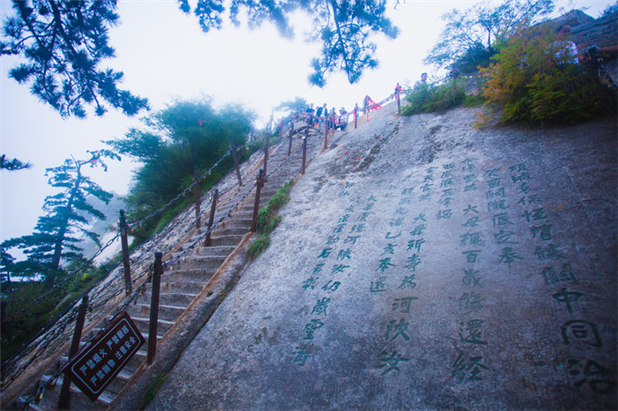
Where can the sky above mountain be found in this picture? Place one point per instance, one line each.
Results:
(165, 56)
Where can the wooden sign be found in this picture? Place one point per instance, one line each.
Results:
(94, 368)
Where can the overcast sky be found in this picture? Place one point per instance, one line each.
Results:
(164, 55)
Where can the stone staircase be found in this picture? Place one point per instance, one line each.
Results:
(183, 281)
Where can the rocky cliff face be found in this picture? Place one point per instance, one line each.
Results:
(423, 264)
(588, 31)
(602, 32)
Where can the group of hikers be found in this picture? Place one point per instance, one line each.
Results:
(322, 117)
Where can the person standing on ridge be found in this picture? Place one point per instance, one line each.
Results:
(421, 82)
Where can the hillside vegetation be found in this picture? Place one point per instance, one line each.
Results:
(527, 75)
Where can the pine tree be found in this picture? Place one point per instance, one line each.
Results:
(344, 28)
(173, 142)
(58, 232)
(12, 164)
(64, 43)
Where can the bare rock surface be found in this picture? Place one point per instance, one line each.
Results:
(423, 264)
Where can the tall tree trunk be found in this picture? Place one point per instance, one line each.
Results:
(55, 264)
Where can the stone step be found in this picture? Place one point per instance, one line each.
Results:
(78, 400)
(183, 287)
(199, 262)
(223, 209)
(166, 312)
(247, 207)
(208, 251)
(119, 382)
(178, 283)
(145, 345)
(90, 335)
(274, 185)
(143, 324)
(220, 231)
(111, 390)
(193, 276)
(236, 213)
(175, 299)
(215, 250)
(230, 239)
(229, 231)
(137, 360)
(220, 228)
(237, 222)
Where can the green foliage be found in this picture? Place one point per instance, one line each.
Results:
(429, 98)
(268, 220)
(80, 283)
(268, 224)
(472, 36)
(473, 100)
(291, 107)
(55, 240)
(17, 331)
(17, 328)
(344, 28)
(473, 58)
(151, 392)
(258, 246)
(534, 81)
(610, 9)
(280, 198)
(174, 142)
(12, 164)
(63, 45)
(66, 221)
(298, 104)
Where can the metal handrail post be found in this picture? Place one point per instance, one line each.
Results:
(256, 206)
(266, 155)
(126, 262)
(398, 101)
(211, 219)
(154, 307)
(326, 121)
(291, 133)
(65, 391)
(235, 157)
(305, 149)
(196, 193)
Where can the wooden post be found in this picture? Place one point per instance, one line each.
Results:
(154, 308)
(326, 132)
(256, 205)
(291, 133)
(266, 156)
(126, 263)
(211, 220)
(65, 391)
(398, 101)
(305, 149)
(233, 146)
(356, 115)
(196, 192)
